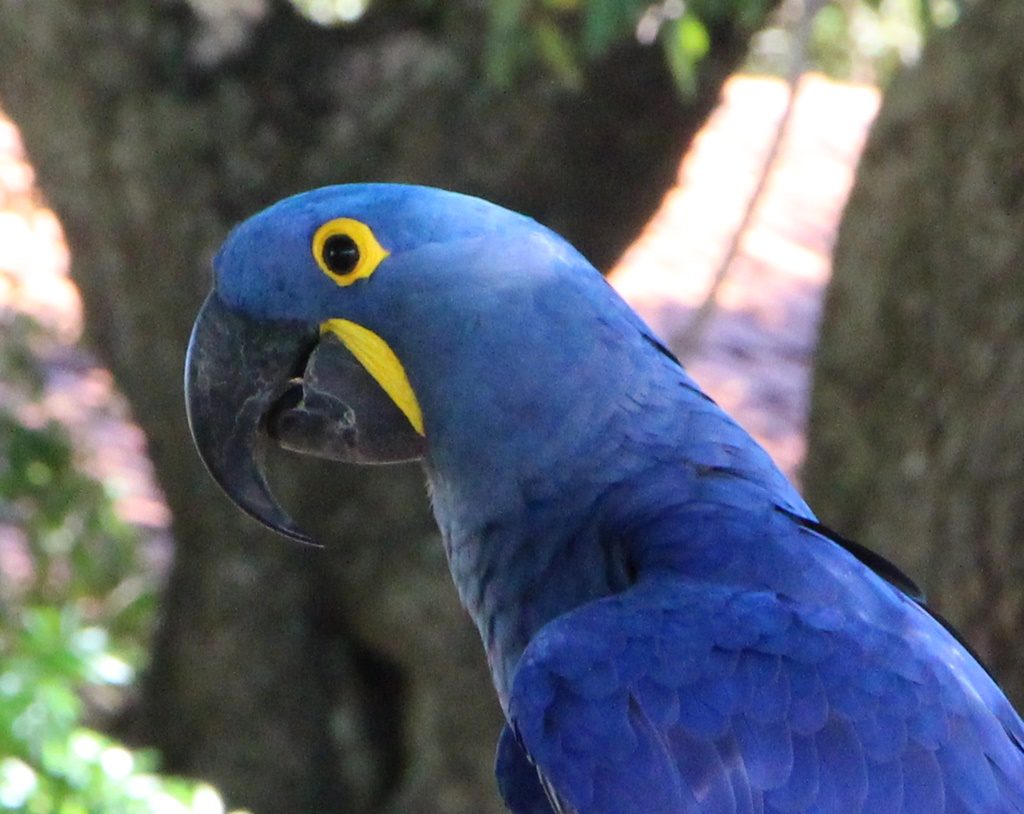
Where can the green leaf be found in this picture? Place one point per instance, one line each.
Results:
(605, 21)
(503, 53)
(686, 42)
(751, 13)
(600, 21)
(558, 54)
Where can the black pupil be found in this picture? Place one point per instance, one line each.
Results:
(340, 254)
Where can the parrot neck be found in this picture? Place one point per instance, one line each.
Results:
(528, 541)
(538, 459)
(517, 570)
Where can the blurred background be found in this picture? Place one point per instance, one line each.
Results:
(860, 308)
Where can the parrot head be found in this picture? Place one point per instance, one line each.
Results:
(384, 323)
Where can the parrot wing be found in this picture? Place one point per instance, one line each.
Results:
(701, 699)
(518, 781)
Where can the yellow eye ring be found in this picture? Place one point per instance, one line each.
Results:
(347, 250)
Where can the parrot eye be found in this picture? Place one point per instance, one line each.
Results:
(347, 250)
(340, 254)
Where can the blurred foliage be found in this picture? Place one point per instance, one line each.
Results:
(560, 36)
(861, 40)
(75, 607)
(869, 40)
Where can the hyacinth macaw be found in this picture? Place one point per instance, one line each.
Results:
(669, 628)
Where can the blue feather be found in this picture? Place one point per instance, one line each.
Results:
(802, 786)
(923, 787)
(885, 787)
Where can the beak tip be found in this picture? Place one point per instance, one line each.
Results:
(293, 532)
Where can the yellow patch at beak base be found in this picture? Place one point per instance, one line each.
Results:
(374, 354)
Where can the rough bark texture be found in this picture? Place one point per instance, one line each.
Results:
(301, 680)
(917, 423)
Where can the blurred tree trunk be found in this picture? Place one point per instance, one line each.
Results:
(917, 420)
(296, 679)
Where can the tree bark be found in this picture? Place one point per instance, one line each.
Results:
(917, 432)
(301, 680)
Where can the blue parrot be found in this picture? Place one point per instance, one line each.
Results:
(669, 628)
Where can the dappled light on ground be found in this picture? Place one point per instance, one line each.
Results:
(33, 256)
(755, 349)
(78, 392)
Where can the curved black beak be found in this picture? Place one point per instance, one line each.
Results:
(249, 383)
(236, 370)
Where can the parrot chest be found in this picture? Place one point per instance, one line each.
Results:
(514, 579)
